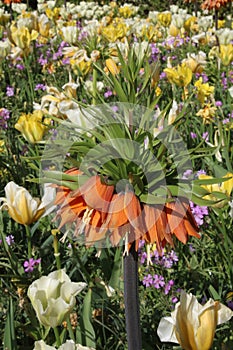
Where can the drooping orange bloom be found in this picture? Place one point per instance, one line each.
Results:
(213, 4)
(8, 2)
(98, 212)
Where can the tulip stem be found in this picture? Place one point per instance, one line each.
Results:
(57, 336)
(70, 329)
(94, 82)
(131, 299)
(29, 241)
(56, 251)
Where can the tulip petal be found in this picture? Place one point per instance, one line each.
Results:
(166, 330)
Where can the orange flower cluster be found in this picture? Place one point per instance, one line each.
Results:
(8, 2)
(97, 210)
(214, 4)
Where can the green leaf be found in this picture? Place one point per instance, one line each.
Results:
(115, 279)
(87, 332)
(202, 202)
(9, 332)
(151, 199)
(214, 293)
(211, 181)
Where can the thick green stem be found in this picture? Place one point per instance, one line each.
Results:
(94, 86)
(131, 298)
(70, 330)
(29, 241)
(56, 251)
(57, 336)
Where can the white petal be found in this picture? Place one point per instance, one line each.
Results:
(69, 289)
(69, 345)
(224, 314)
(166, 330)
(40, 345)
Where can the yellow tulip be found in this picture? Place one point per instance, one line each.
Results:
(189, 23)
(226, 54)
(223, 187)
(173, 30)
(207, 113)
(203, 90)
(22, 207)
(193, 325)
(53, 14)
(111, 66)
(22, 37)
(164, 18)
(180, 75)
(32, 126)
(126, 11)
(114, 31)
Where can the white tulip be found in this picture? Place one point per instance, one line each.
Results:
(68, 345)
(53, 297)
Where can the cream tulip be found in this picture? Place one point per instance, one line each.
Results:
(53, 297)
(22, 207)
(68, 345)
(193, 325)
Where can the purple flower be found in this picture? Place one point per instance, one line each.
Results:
(168, 286)
(114, 108)
(40, 87)
(174, 300)
(205, 136)
(20, 66)
(193, 135)
(66, 61)
(29, 264)
(4, 116)
(10, 239)
(198, 212)
(218, 103)
(173, 256)
(42, 60)
(143, 257)
(10, 91)
(191, 248)
(158, 281)
(230, 304)
(167, 263)
(108, 93)
(226, 121)
(162, 75)
(200, 172)
(187, 174)
(147, 280)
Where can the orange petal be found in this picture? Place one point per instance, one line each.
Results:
(175, 216)
(95, 193)
(116, 213)
(133, 213)
(151, 214)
